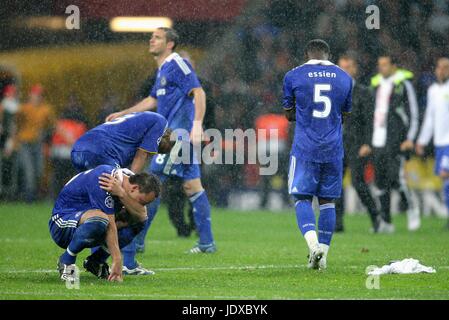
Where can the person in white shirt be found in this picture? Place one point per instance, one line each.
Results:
(395, 127)
(436, 124)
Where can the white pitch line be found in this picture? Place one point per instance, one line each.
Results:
(179, 268)
(74, 293)
(254, 267)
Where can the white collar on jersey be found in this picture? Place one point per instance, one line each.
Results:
(323, 62)
(169, 58)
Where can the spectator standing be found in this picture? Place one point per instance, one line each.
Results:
(436, 124)
(395, 129)
(35, 121)
(8, 165)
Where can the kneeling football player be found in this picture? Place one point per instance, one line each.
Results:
(84, 216)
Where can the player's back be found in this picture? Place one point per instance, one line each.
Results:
(83, 192)
(120, 138)
(321, 92)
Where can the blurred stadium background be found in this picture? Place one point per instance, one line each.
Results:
(241, 50)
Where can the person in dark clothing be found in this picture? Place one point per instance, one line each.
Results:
(357, 133)
(395, 128)
(70, 125)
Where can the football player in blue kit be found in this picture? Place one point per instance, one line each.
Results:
(316, 95)
(105, 207)
(179, 97)
(126, 142)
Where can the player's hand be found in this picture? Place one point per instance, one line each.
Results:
(196, 136)
(364, 151)
(407, 145)
(113, 116)
(111, 184)
(116, 272)
(419, 149)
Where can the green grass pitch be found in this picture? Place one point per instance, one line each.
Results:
(261, 255)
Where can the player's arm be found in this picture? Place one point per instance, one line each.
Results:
(141, 160)
(114, 250)
(288, 100)
(426, 129)
(112, 185)
(412, 104)
(365, 112)
(347, 107)
(199, 98)
(147, 104)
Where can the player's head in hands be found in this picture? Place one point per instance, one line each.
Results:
(166, 143)
(317, 49)
(143, 187)
(163, 41)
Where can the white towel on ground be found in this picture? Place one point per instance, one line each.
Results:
(405, 266)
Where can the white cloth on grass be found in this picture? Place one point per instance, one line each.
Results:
(405, 266)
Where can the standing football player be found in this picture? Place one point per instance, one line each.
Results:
(179, 97)
(436, 124)
(316, 94)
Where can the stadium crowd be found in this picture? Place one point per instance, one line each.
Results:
(244, 84)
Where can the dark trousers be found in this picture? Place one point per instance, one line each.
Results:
(357, 167)
(389, 168)
(63, 171)
(175, 199)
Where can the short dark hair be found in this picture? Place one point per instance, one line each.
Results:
(393, 58)
(350, 55)
(171, 35)
(317, 46)
(147, 182)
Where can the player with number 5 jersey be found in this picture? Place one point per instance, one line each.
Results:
(316, 95)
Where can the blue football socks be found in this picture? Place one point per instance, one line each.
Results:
(89, 234)
(201, 214)
(326, 223)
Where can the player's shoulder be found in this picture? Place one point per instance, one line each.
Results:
(153, 117)
(434, 86)
(176, 62)
(104, 168)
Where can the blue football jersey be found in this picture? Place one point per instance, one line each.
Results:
(120, 138)
(175, 80)
(83, 193)
(321, 92)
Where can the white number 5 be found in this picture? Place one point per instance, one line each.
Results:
(317, 98)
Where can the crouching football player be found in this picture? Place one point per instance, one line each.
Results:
(84, 217)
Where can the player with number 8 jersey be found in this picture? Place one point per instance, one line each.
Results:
(179, 97)
(316, 94)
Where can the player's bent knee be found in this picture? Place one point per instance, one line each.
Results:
(191, 187)
(93, 213)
